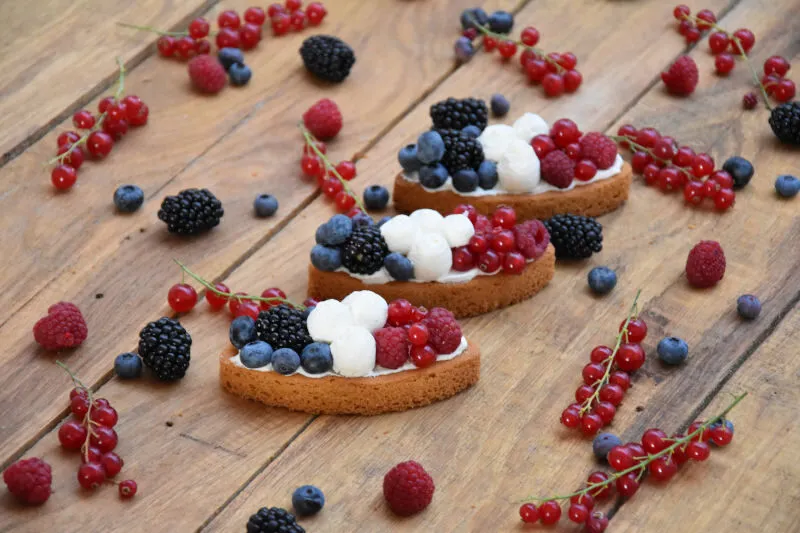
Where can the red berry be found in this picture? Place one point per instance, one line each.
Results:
(585, 170)
(650, 173)
(504, 217)
(681, 11)
(724, 198)
(528, 513)
(68, 138)
(749, 101)
(507, 49)
(202, 47)
(549, 513)
(718, 42)
(185, 47)
(228, 38)
(247, 308)
(91, 475)
(198, 28)
(612, 394)
(630, 357)
(127, 488)
(489, 43)
(684, 26)
(477, 244)
(606, 411)
(746, 40)
(502, 241)
(724, 64)
(182, 298)
(543, 145)
(637, 451)
(662, 468)
(628, 484)
(684, 157)
(568, 60)
(721, 435)
(463, 259)
(489, 262)
(418, 334)
(400, 312)
(321, 146)
(514, 263)
(63, 177)
(79, 405)
(99, 144)
(592, 373)
(553, 85)
(602, 492)
(573, 151)
(691, 35)
(620, 458)
(722, 179)
(702, 165)
(297, 20)
(535, 69)
(529, 36)
(315, 12)
(272, 292)
(346, 169)
(92, 455)
(101, 402)
(776, 65)
(621, 379)
(578, 513)
(281, 23)
(344, 201)
(331, 187)
(293, 5)
(654, 440)
(583, 393)
(637, 330)
(229, 19)
(707, 18)
(249, 35)
(216, 301)
(112, 463)
(78, 392)
(600, 354)
(468, 210)
(698, 451)
(583, 499)
(423, 356)
(83, 119)
(647, 137)
(597, 523)
(140, 118)
(591, 424)
(72, 435)
(784, 91)
(311, 165)
(275, 9)
(104, 438)
(166, 45)
(564, 132)
(255, 15)
(572, 80)
(693, 192)
(104, 416)
(571, 417)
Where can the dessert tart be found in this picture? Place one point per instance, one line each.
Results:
(539, 170)
(360, 355)
(466, 262)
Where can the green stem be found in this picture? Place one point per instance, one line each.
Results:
(502, 37)
(639, 148)
(87, 417)
(154, 30)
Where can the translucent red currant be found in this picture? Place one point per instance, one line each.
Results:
(182, 297)
(63, 177)
(529, 513)
(91, 475)
(217, 301)
(72, 435)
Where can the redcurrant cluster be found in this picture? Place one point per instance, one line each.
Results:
(290, 17)
(91, 430)
(98, 133)
(331, 179)
(670, 168)
(555, 71)
(607, 377)
(403, 314)
(656, 454)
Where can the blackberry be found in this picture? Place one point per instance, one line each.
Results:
(164, 347)
(327, 57)
(283, 327)
(461, 152)
(454, 114)
(273, 520)
(191, 212)
(785, 122)
(364, 250)
(575, 236)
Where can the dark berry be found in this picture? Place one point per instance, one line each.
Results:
(407, 157)
(128, 198)
(672, 350)
(191, 211)
(242, 331)
(128, 365)
(165, 347)
(501, 22)
(399, 266)
(433, 176)
(785, 122)
(575, 236)
(469, 17)
(602, 280)
(430, 147)
(327, 57)
(326, 258)
(364, 251)
(256, 354)
(740, 169)
(787, 186)
(335, 231)
(748, 306)
(487, 175)
(285, 361)
(283, 327)
(603, 443)
(273, 520)
(230, 56)
(456, 114)
(239, 74)
(500, 105)
(376, 197)
(307, 500)
(265, 205)
(465, 180)
(461, 152)
(316, 358)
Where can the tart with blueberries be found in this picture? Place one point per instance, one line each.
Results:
(537, 169)
(466, 262)
(360, 355)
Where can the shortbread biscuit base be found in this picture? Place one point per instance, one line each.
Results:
(335, 395)
(480, 295)
(590, 200)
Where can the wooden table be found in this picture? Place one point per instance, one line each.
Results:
(204, 460)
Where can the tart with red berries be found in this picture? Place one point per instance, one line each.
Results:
(360, 355)
(539, 170)
(466, 262)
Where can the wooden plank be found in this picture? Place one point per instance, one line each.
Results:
(59, 55)
(754, 479)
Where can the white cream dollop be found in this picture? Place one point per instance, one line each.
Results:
(353, 352)
(431, 256)
(529, 126)
(428, 221)
(458, 230)
(369, 309)
(518, 168)
(495, 139)
(328, 319)
(399, 233)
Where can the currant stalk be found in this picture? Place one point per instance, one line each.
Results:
(499, 37)
(636, 147)
(87, 421)
(151, 29)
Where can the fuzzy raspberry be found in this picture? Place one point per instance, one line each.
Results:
(531, 238)
(408, 488)
(705, 265)
(62, 328)
(681, 77)
(558, 169)
(323, 119)
(29, 480)
(483, 226)
(207, 74)
(444, 332)
(598, 149)
(391, 347)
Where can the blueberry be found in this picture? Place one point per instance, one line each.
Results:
(265, 205)
(362, 219)
(128, 198)
(463, 49)
(376, 197)
(285, 361)
(499, 105)
(487, 174)
(465, 180)
(470, 16)
(229, 57)
(325, 258)
(335, 231)
(307, 500)
(307, 311)
(432, 176)
(501, 22)
(740, 169)
(128, 365)
(787, 186)
(748, 306)
(239, 74)
(602, 280)
(717, 424)
(242, 331)
(383, 221)
(399, 266)
(407, 156)
(430, 147)
(472, 131)
(316, 358)
(603, 443)
(672, 350)
(256, 354)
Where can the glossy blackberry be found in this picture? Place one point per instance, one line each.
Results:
(164, 347)
(455, 114)
(785, 122)
(461, 152)
(327, 57)
(191, 211)
(364, 251)
(283, 327)
(575, 236)
(273, 520)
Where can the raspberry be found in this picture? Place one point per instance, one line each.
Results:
(391, 347)
(63, 327)
(531, 238)
(705, 265)
(408, 488)
(598, 149)
(207, 74)
(558, 169)
(323, 119)
(483, 226)
(29, 480)
(682, 76)
(444, 331)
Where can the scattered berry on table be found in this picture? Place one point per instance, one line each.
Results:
(165, 347)
(376, 197)
(602, 280)
(408, 488)
(64, 327)
(265, 205)
(682, 76)
(316, 358)
(326, 258)
(430, 147)
(239, 74)
(283, 327)
(407, 157)
(740, 169)
(787, 186)
(785, 122)
(127, 489)
(273, 520)
(499, 105)
(128, 198)
(182, 297)
(603, 443)
(723, 436)
(285, 361)
(399, 266)
(501, 22)
(207, 74)
(191, 211)
(128, 365)
(323, 119)
(456, 114)
(750, 101)
(256, 354)
(672, 350)
(307, 500)
(464, 50)
(575, 236)
(242, 331)
(705, 265)
(29, 480)
(748, 306)
(327, 57)
(229, 57)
